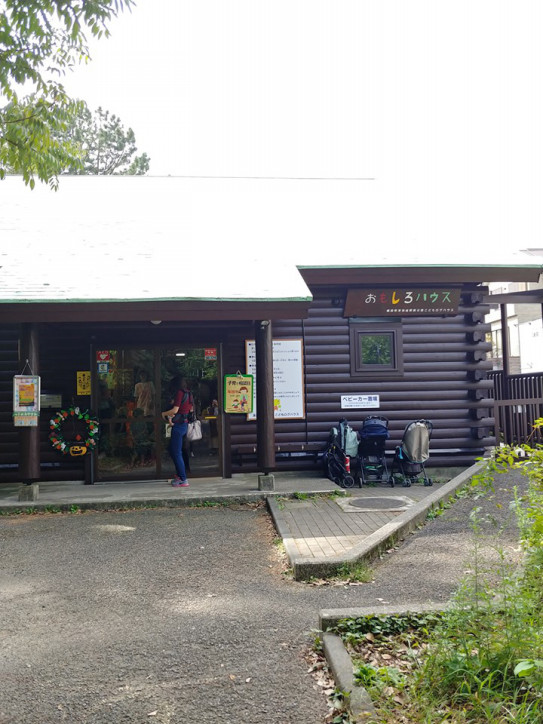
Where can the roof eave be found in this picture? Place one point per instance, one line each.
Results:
(403, 274)
(166, 311)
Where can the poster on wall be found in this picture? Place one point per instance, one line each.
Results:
(83, 382)
(238, 393)
(26, 400)
(288, 378)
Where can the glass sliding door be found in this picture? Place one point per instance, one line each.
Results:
(131, 388)
(198, 365)
(127, 409)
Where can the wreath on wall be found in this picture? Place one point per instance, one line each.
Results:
(78, 443)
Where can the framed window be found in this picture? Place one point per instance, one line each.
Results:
(376, 349)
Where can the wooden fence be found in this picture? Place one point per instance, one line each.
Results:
(518, 401)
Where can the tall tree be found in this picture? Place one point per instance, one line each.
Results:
(105, 146)
(39, 41)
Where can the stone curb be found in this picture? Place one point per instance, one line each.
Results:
(357, 699)
(21, 507)
(358, 702)
(307, 568)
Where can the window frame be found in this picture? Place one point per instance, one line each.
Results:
(359, 327)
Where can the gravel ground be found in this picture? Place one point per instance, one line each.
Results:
(155, 616)
(184, 615)
(430, 563)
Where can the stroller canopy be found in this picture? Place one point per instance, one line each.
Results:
(416, 441)
(374, 429)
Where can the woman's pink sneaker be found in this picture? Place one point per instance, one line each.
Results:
(178, 483)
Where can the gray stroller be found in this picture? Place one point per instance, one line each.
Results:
(411, 455)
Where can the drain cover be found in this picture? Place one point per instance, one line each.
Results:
(378, 503)
(390, 503)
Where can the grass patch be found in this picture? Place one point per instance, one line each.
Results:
(352, 574)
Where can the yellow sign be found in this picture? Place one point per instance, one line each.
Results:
(238, 393)
(83, 382)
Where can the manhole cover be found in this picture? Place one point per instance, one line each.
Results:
(392, 503)
(378, 503)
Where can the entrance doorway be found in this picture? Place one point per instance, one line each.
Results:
(132, 386)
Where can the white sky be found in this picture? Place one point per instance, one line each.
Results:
(438, 102)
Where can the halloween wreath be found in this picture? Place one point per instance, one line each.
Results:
(84, 435)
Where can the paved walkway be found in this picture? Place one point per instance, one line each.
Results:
(321, 525)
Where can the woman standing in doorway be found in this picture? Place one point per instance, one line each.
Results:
(177, 415)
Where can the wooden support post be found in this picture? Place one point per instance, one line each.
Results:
(505, 341)
(265, 434)
(29, 447)
(505, 422)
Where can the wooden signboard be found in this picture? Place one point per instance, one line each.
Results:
(401, 301)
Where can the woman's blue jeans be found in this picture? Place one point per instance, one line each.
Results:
(176, 449)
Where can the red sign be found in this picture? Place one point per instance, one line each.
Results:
(210, 353)
(102, 355)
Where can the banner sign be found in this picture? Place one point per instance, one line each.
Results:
(401, 301)
(288, 377)
(26, 400)
(359, 402)
(238, 393)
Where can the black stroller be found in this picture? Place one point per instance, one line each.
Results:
(342, 446)
(371, 450)
(412, 453)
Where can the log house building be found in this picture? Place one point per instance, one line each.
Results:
(105, 310)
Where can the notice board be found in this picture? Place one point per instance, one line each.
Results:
(288, 378)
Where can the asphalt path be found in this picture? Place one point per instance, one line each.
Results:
(186, 615)
(173, 615)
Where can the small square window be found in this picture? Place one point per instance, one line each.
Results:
(376, 350)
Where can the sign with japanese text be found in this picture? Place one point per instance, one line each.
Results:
(26, 400)
(103, 355)
(288, 377)
(401, 301)
(210, 353)
(83, 382)
(359, 402)
(238, 393)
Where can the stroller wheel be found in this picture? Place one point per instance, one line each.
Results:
(406, 484)
(348, 482)
(428, 482)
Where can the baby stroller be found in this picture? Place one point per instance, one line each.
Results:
(412, 453)
(371, 450)
(342, 446)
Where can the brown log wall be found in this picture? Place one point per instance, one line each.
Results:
(63, 351)
(444, 380)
